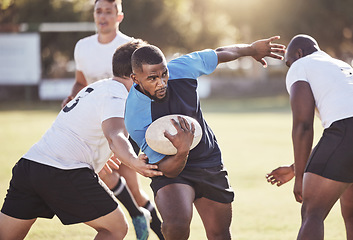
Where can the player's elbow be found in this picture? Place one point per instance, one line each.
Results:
(302, 131)
(304, 127)
(171, 172)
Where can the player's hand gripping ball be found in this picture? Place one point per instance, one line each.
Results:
(158, 142)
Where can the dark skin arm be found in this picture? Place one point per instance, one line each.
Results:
(258, 50)
(280, 175)
(303, 111)
(171, 166)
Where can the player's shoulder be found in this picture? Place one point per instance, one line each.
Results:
(193, 65)
(110, 86)
(88, 39)
(123, 37)
(137, 102)
(86, 42)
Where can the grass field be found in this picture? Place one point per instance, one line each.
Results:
(254, 136)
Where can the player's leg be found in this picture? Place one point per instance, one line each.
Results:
(13, 228)
(319, 195)
(175, 204)
(80, 196)
(140, 217)
(141, 197)
(216, 218)
(214, 198)
(117, 184)
(346, 202)
(111, 226)
(132, 181)
(22, 204)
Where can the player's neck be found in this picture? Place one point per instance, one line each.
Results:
(127, 82)
(105, 38)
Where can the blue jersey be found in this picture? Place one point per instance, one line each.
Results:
(182, 98)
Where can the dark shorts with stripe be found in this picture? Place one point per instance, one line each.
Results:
(38, 190)
(211, 183)
(332, 157)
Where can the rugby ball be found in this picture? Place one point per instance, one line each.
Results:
(158, 142)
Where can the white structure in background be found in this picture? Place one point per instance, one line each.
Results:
(20, 62)
(20, 59)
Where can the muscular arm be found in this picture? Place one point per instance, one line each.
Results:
(80, 82)
(303, 109)
(116, 134)
(171, 166)
(258, 50)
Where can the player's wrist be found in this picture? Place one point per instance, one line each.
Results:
(292, 167)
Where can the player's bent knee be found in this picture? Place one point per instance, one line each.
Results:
(119, 228)
(113, 225)
(176, 229)
(118, 232)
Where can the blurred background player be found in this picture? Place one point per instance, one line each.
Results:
(93, 58)
(317, 82)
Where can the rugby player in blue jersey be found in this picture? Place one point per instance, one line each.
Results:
(190, 177)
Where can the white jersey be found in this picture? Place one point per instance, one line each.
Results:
(76, 138)
(94, 59)
(331, 81)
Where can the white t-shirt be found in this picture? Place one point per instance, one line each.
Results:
(94, 59)
(331, 81)
(76, 138)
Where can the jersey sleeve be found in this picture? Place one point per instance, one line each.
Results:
(193, 65)
(295, 73)
(112, 107)
(137, 120)
(113, 104)
(153, 156)
(137, 132)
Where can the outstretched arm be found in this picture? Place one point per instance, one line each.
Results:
(258, 50)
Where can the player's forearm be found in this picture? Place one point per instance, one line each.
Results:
(292, 167)
(172, 166)
(233, 52)
(302, 137)
(122, 149)
(76, 88)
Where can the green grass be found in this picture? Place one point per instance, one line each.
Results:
(254, 136)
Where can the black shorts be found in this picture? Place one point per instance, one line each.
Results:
(37, 190)
(211, 183)
(332, 157)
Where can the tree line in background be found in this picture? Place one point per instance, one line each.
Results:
(188, 25)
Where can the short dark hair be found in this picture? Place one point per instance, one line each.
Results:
(148, 54)
(306, 43)
(122, 57)
(118, 4)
